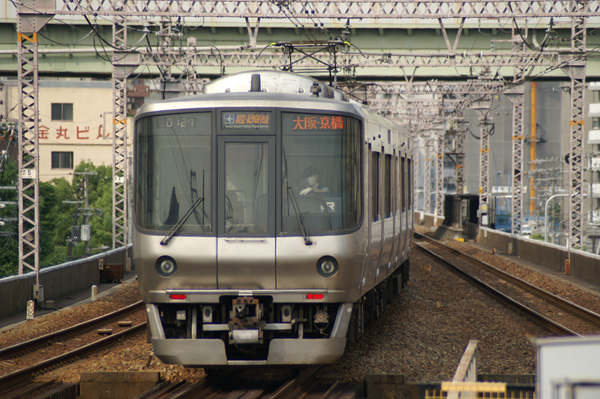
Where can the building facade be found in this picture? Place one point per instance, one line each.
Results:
(76, 123)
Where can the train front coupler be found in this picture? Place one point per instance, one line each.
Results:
(245, 324)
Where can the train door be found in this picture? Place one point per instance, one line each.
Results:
(245, 212)
(404, 206)
(375, 223)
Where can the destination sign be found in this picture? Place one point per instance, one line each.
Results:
(246, 120)
(317, 122)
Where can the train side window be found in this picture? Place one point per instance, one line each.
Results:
(375, 185)
(403, 183)
(409, 188)
(394, 198)
(387, 189)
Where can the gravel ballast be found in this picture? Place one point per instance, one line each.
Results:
(422, 334)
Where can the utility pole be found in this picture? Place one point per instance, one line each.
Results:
(83, 232)
(75, 230)
(85, 228)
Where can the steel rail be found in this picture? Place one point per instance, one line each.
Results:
(78, 329)
(19, 377)
(304, 385)
(562, 303)
(164, 390)
(296, 385)
(537, 317)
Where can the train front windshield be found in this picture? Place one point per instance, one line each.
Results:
(321, 173)
(174, 172)
(185, 185)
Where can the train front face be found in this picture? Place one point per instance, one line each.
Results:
(248, 236)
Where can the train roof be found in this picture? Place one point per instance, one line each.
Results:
(258, 100)
(272, 81)
(268, 88)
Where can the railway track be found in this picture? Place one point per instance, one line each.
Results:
(21, 379)
(68, 333)
(553, 313)
(20, 364)
(227, 385)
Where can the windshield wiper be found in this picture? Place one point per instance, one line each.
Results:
(299, 217)
(181, 221)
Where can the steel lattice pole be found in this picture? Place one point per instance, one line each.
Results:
(484, 155)
(29, 204)
(439, 176)
(516, 97)
(460, 159)
(119, 136)
(29, 22)
(427, 175)
(576, 71)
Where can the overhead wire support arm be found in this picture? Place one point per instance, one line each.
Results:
(451, 47)
(290, 48)
(332, 10)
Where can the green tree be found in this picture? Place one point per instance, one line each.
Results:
(9, 240)
(61, 206)
(100, 204)
(9, 244)
(49, 217)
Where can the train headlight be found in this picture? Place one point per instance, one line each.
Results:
(327, 266)
(166, 266)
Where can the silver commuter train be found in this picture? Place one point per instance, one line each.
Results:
(273, 220)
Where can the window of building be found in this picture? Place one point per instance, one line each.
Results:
(62, 112)
(62, 160)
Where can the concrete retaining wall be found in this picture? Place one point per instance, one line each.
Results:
(583, 264)
(427, 220)
(57, 281)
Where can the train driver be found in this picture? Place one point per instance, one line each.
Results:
(312, 182)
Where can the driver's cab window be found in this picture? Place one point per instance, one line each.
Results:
(174, 172)
(320, 176)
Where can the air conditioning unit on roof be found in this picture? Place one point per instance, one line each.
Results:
(594, 111)
(594, 137)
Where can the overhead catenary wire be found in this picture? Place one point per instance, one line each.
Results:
(284, 6)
